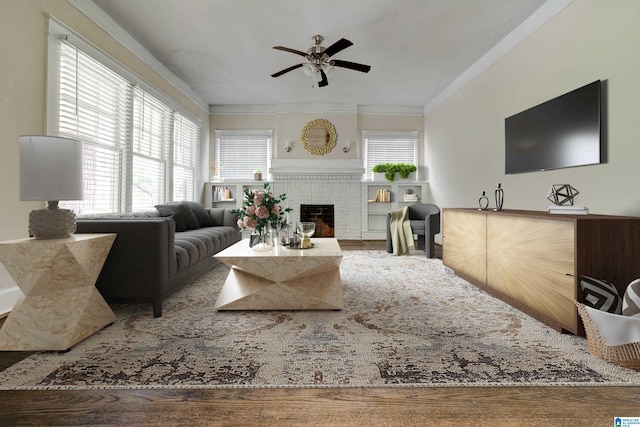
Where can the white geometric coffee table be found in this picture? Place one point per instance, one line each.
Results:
(282, 278)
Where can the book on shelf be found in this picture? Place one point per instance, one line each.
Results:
(221, 194)
(410, 197)
(568, 210)
(382, 196)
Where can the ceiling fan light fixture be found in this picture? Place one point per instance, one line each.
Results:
(319, 64)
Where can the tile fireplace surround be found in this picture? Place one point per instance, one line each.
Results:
(329, 182)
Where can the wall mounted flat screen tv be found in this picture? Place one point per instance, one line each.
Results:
(561, 133)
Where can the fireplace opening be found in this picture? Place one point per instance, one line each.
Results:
(322, 215)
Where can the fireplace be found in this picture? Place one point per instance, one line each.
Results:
(322, 215)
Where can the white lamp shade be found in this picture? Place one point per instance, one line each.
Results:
(50, 168)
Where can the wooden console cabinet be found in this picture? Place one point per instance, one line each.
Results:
(532, 260)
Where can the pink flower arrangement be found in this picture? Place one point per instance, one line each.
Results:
(260, 208)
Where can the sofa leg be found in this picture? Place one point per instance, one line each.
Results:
(157, 307)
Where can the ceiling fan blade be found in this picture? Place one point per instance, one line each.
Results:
(324, 82)
(286, 70)
(338, 46)
(287, 49)
(351, 65)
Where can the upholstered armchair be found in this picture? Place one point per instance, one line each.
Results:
(425, 223)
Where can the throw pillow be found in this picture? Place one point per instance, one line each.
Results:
(201, 214)
(631, 302)
(182, 215)
(600, 294)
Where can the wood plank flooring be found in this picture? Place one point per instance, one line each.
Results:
(443, 406)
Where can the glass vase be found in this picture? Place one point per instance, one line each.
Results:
(261, 239)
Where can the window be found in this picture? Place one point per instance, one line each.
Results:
(389, 147)
(139, 151)
(239, 153)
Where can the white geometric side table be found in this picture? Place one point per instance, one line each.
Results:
(61, 305)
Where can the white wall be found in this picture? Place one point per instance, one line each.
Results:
(587, 41)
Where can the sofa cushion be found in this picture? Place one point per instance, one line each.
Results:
(201, 214)
(193, 246)
(600, 294)
(181, 214)
(631, 302)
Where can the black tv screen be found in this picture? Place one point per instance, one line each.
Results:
(561, 133)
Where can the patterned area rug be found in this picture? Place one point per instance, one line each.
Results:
(408, 321)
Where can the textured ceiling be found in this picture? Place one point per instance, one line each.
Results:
(222, 49)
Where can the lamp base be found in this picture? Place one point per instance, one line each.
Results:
(52, 223)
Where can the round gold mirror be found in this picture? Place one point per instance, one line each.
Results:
(318, 137)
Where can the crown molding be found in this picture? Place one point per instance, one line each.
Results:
(391, 110)
(104, 21)
(315, 108)
(540, 17)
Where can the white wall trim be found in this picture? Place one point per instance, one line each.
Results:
(540, 17)
(104, 21)
(397, 110)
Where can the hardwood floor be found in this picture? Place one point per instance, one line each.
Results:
(442, 406)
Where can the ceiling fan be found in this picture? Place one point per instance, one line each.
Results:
(319, 62)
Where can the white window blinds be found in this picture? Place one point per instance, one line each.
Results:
(389, 147)
(239, 153)
(185, 157)
(138, 151)
(93, 107)
(151, 144)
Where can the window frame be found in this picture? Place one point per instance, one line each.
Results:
(59, 34)
(391, 156)
(238, 135)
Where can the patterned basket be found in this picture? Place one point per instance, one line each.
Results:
(626, 355)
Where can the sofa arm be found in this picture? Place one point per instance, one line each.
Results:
(142, 258)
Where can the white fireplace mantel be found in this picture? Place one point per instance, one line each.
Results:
(316, 167)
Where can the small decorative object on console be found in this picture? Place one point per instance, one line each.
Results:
(563, 196)
(483, 201)
(499, 193)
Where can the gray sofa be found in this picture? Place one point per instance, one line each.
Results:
(157, 252)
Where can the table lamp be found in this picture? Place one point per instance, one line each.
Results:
(51, 170)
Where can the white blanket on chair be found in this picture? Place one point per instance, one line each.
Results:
(401, 234)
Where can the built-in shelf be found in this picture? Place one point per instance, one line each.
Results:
(374, 212)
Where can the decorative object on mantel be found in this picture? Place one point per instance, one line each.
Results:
(347, 147)
(51, 170)
(261, 213)
(318, 137)
(499, 193)
(563, 197)
(483, 201)
(257, 175)
(391, 169)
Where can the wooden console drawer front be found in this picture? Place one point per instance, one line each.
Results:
(529, 259)
(464, 249)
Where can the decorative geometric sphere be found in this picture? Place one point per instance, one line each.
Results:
(562, 194)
